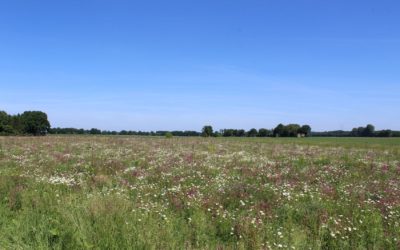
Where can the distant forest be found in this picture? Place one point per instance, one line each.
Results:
(36, 123)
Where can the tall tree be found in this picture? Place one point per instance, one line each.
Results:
(240, 132)
(252, 132)
(369, 130)
(278, 131)
(95, 131)
(227, 132)
(305, 129)
(291, 130)
(207, 131)
(262, 132)
(35, 123)
(5, 124)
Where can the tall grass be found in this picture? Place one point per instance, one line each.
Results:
(87, 192)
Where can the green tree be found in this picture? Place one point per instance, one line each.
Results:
(305, 129)
(5, 124)
(240, 132)
(207, 131)
(262, 132)
(35, 123)
(95, 131)
(385, 133)
(4, 121)
(278, 130)
(369, 130)
(291, 130)
(227, 132)
(252, 132)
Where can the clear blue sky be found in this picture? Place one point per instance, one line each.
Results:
(152, 65)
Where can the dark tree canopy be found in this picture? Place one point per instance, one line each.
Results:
(207, 131)
(368, 131)
(292, 130)
(252, 132)
(262, 132)
(278, 130)
(95, 131)
(35, 122)
(29, 122)
(385, 133)
(305, 129)
(5, 124)
(240, 132)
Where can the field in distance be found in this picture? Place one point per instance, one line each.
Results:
(116, 192)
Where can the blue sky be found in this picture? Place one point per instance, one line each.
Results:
(153, 65)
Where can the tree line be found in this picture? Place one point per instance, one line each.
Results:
(29, 122)
(367, 131)
(95, 131)
(36, 123)
(290, 130)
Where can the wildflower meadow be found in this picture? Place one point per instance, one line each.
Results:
(128, 192)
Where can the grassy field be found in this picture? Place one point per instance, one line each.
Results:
(87, 192)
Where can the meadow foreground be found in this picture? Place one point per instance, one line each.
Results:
(115, 192)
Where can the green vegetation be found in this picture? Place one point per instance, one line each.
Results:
(29, 122)
(36, 123)
(292, 130)
(121, 192)
(207, 131)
